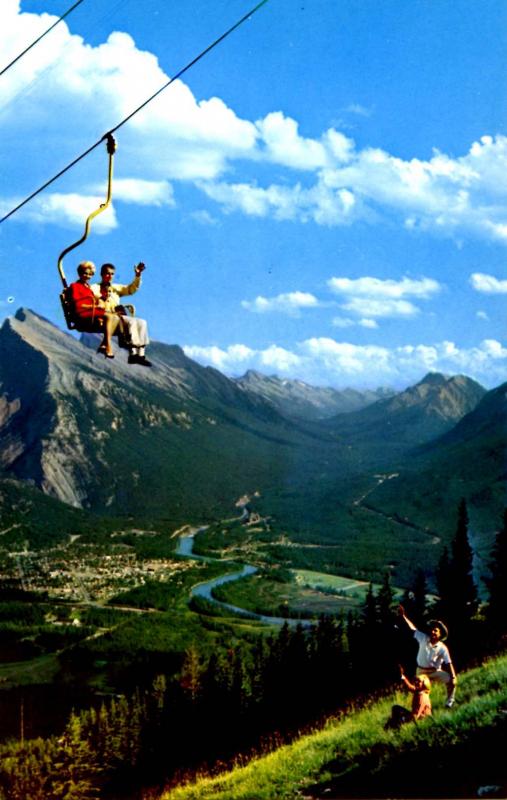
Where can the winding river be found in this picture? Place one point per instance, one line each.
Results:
(186, 548)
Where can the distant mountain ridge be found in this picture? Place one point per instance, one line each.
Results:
(468, 460)
(414, 416)
(295, 398)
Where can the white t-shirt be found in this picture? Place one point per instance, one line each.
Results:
(430, 656)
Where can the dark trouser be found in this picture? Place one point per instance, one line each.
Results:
(399, 716)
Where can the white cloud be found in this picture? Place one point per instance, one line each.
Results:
(294, 203)
(278, 358)
(346, 322)
(288, 303)
(343, 322)
(325, 361)
(145, 193)
(66, 210)
(372, 297)
(375, 287)
(228, 360)
(284, 145)
(487, 284)
(343, 357)
(482, 315)
(380, 308)
(449, 197)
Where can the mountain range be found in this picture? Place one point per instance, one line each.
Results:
(298, 399)
(414, 416)
(180, 442)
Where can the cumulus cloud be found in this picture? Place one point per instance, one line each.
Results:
(448, 196)
(288, 303)
(375, 287)
(68, 210)
(381, 308)
(326, 361)
(278, 358)
(487, 284)
(228, 360)
(283, 144)
(371, 298)
(145, 193)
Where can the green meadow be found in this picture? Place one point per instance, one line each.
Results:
(451, 754)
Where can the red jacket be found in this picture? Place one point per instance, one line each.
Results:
(85, 302)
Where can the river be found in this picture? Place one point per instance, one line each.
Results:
(186, 548)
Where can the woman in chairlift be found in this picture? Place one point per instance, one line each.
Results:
(89, 312)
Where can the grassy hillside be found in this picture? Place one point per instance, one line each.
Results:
(449, 755)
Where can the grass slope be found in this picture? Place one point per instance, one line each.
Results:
(449, 755)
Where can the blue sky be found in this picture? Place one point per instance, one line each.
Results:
(323, 197)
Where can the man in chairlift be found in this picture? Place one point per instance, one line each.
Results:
(134, 328)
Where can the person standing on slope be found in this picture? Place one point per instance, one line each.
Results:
(433, 657)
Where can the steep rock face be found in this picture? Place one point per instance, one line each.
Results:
(86, 430)
(41, 438)
(297, 399)
(27, 407)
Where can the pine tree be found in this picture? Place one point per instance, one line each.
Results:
(369, 612)
(463, 600)
(76, 764)
(444, 584)
(458, 602)
(158, 694)
(420, 592)
(191, 671)
(385, 601)
(496, 611)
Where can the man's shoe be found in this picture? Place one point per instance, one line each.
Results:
(141, 360)
(449, 703)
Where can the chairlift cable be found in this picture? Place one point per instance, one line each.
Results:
(36, 41)
(189, 65)
(139, 108)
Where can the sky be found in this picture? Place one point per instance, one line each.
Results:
(322, 197)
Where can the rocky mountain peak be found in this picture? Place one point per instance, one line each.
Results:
(434, 379)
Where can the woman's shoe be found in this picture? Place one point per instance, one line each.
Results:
(101, 348)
